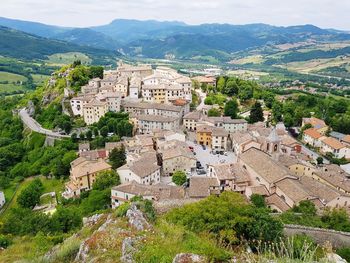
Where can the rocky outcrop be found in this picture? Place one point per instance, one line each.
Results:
(189, 258)
(334, 258)
(129, 249)
(92, 220)
(136, 219)
(48, 98)
(84, 249)
(31, 108)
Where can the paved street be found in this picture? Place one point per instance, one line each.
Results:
(202, 95)
(206, 157)
(36, 127)
(312, 154)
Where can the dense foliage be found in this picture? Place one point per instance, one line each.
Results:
(106, 180)
(30, 196)
(117, 157)
(306, 214)
(23, 221)
(229, 218)
(179, 178)
(256, 113)
(115, 122)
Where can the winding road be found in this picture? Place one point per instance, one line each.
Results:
(36, 127)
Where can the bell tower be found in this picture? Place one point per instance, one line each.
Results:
(273, 144)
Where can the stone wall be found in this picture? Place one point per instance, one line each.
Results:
(320, 236)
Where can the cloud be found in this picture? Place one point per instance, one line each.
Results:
(324, 13)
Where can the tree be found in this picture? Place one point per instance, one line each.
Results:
(214, 113)
(229, 218)
(96, 200)
(74, 137)
(245, 92)
(82, 136)
(319, 160)
(256, 113)
(221, 83)
(30, 196)
(96, 132)
(89, 135)
(106, 180)
(231, 88)
(96, 72)
(231, 109)
(104, 131)
(305, 207)
(179, 178)
(76, 63)
(117, 157)
(208, 101)
(277, 111)
(258, 201)
(66, 219)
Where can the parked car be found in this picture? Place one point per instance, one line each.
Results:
(201, 171)
(225, 153)
(221, 152)
(198, 164)
(203, 146)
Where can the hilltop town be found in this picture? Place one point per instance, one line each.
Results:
(215, 153)
(150, 133)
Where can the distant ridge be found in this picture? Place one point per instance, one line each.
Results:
(156, 39)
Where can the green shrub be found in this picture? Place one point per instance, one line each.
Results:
(179, 178)
(122, 209)
(229, 218)
(4, 241)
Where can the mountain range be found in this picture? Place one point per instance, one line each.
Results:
(155, 39)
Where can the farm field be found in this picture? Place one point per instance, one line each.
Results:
(315, 65)
(10, 82)
(60, 59)
(39, 79)
(258, 59)
(11, 77)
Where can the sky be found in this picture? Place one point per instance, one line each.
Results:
(83, 13)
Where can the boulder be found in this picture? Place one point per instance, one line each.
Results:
(136, 218)
(189, 258)
(128, 249)
(334, 258)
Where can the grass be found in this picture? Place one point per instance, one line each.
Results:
(257, 59)
(167, 240)
(11, 88)
(60, 59)
(39, 79)
(50, 185)
(26, 249)
(13, 201)
(14, 82)
(11, 77)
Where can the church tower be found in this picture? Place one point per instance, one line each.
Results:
(273, 144)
